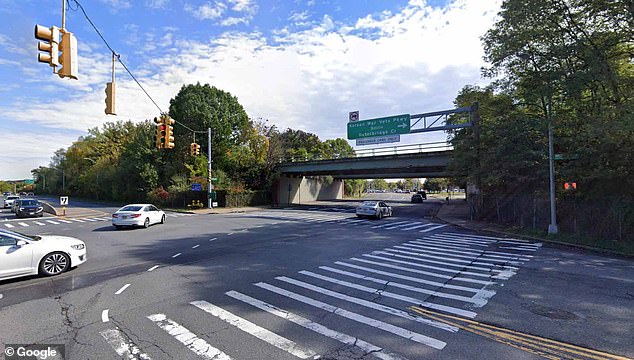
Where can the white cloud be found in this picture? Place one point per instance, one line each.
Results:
(118, 4)
(156, 4)
(412, 61)
(207, 11)
(299, 17)
(246, 6)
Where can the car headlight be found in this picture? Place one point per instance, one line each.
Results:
(78, 246)
(40, 208)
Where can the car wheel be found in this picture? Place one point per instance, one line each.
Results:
(54, 263)
(146, 223)
(379, 215)
(163, 219)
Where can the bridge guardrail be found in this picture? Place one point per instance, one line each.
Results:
(386, 150)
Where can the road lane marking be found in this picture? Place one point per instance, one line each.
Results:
(445, 308)
(213, 239)
(23, 224)
(458, 263)
(313, 326)
(39, 223)
(123, 346)
(52, 222)
(452, 271)
(401, 225)
(414, 279)
(516, 248)
(482, 252)
(176, 255)
(153, 268)
(78, 220)
(104, 316)
(65, 221)
(8, 225)
(195, 246)
(416, 271)
(366, 303)
(416, 227)
(259, 332)
(432, 228)
(230, 233)
(199, 346)
(122, 289)
(388, 224)
(544, 347)
(462, 240)
(407, 334)
(424, 249)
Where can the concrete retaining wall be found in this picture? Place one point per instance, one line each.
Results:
(303, 189)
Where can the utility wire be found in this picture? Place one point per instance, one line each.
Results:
(118, 56)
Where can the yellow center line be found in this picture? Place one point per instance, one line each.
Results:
(534, 344)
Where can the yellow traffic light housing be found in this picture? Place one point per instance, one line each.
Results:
(197, 150)
(68, 59)
(49, 45)
(110, 99)
(194, 149)
(169, 131)
(159, 136)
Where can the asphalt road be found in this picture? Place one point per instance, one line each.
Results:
(315, 282)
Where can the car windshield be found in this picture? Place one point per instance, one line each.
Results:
(19, 234)
(29, 203)
(13, 197)
(369, 203)
(131, 208)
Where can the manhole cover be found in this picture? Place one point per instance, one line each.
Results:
(552, 313)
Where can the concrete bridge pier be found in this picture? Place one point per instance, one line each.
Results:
(302, 189)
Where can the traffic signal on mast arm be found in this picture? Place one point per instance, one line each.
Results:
(49, 45)
(159, 136)
(68, 59)
(169, 131)
(194, 149)
(110, 97)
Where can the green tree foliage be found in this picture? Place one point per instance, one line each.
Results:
(570, 62)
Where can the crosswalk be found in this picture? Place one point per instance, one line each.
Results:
(361, 302)
(343, 218)
(60, 221)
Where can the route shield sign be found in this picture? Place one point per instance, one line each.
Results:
(391, 125)
(63, 200)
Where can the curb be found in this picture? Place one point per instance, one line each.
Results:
(528, 237)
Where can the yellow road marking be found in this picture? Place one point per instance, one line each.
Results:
(544, 347)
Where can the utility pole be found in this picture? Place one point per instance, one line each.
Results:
(552, 227)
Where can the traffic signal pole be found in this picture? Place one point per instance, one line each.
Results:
(209, 198)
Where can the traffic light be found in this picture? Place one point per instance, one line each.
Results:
(110, 97)
(49, 44)
(68, 60)
(159, 136)
(194, 149)
(169, 131)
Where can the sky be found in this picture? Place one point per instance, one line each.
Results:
(301, 64)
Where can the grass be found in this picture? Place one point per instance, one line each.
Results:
(614, 246)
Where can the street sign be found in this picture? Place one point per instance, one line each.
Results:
(197, 187)
(63, 200)
(566, 157)
(353, 116)
(391, 125)
(379, 140)
(214, 179)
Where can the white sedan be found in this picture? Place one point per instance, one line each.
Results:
(24, 255)
(377, 209)
(138, 215)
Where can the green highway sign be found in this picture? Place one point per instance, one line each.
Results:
(391, 125)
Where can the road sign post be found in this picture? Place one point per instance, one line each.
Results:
(391, 125)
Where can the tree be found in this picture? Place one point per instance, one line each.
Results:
(337, 148)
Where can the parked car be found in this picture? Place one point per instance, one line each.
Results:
(138, 215)
(8, 201)
(417, 198)
(5, 194)
(28, 207)
(47, 255)
(377, 209)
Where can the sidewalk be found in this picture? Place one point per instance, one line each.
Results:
(221, 210)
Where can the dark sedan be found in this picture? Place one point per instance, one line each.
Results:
(29, 207)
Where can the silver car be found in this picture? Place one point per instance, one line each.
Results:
(377, 209)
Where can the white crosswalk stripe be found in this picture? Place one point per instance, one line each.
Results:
(316, 327)
(23, 224)
(416, 227)
(123, 346)
(65, 221)
(8, 225)
(255, 330)
(407, 334)
(39, 223)
(199, 346)
(433, 228)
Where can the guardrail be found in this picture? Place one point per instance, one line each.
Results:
(386, 150)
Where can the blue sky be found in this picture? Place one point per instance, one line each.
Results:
(302, 64)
